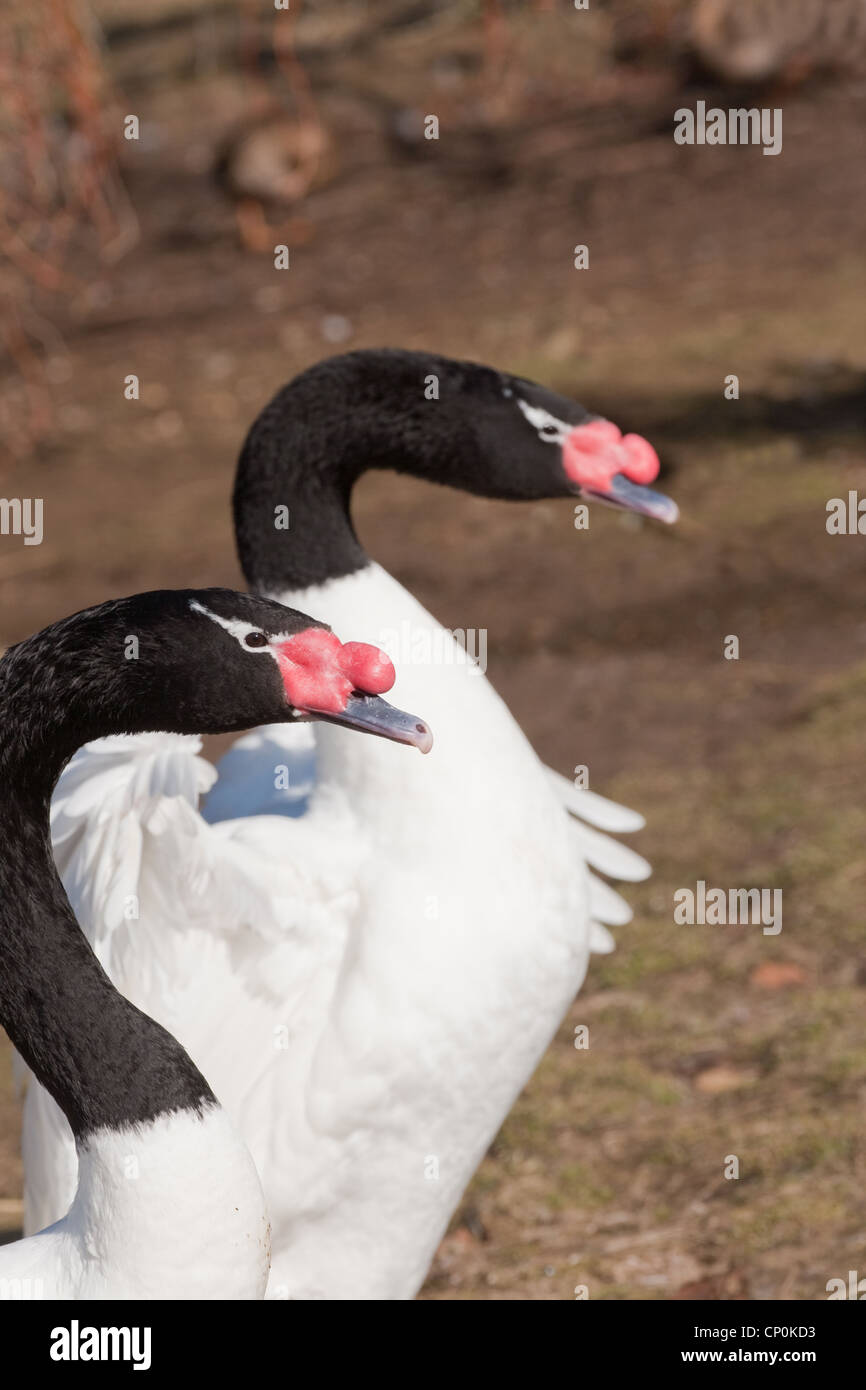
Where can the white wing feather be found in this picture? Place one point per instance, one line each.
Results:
(608, 856)
(192, 921)
(595, 809)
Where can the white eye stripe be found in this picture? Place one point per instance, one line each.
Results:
(555, 430)
(239, 629)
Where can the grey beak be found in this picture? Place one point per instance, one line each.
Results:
(634, 497)
(370, 714)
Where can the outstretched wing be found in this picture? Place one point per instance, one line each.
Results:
(590, 814)
(112, 794)
(195, 923)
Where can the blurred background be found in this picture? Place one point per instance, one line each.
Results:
(154, 256)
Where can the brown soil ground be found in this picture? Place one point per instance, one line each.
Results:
(608, 644)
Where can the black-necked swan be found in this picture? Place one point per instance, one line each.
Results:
(395, 996)
(169, 1204)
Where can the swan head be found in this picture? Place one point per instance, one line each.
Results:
(461, 424)
(535, 443)
(189, 661)
(301, 668)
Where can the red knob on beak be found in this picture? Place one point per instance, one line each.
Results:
(642, 461)
(593, 454)
(368, 668)
(319, 673)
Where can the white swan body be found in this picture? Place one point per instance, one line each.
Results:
(369, 1019)
(181, 1187)
(159, 1198)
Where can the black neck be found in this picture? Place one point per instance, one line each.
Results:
(103, 1061)
(309, 446)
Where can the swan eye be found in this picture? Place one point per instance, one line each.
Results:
(549, 429)
(255, 639)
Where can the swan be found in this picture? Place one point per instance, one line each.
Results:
(395, 995)
(169, 1204)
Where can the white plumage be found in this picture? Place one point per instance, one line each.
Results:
(367, 966)
(180, 1190)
